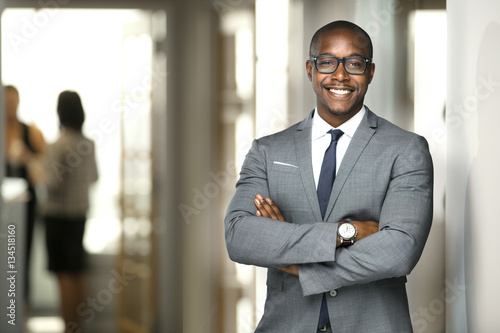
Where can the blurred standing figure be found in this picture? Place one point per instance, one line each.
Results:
(70, 170)
(25, 146)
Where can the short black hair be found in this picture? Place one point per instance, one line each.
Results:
(70, 110)
(362, 39)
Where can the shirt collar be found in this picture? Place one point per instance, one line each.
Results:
(320, 127)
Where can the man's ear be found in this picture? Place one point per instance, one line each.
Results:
(309, 69)
(372, 72)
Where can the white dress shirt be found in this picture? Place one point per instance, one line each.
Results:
(321, 139)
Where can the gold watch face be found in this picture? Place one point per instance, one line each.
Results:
(347, 231)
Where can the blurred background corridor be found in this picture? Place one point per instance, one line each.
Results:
(174, 93)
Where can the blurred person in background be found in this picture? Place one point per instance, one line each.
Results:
(24, 148)
(70, 170)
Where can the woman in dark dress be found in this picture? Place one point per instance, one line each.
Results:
(25, 147)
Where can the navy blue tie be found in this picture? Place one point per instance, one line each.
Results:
(325, 184)
(327, 175)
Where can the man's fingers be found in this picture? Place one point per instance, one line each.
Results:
(263, 209)
(291, 269)
(270, 210)
(275, 209)
(267, 208)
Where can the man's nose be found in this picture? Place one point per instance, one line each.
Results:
(340, 73)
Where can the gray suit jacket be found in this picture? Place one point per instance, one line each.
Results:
(386, 175)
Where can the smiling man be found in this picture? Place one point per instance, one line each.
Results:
(351, 204)
(340, 68)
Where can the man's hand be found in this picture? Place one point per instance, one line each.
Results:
(267, 208)
(365, 229)
(290, 269)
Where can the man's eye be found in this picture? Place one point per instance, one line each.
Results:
(327, 62)
(355, 64)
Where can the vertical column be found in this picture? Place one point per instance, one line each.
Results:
(427, 280)
(191, 234)
(472, 228)
(271, 96)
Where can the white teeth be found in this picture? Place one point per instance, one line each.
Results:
(341, 92)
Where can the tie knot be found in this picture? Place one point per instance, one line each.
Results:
(336, 134)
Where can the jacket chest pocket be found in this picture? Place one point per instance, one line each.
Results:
(284, 177)
(285, 184)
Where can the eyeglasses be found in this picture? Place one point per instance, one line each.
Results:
(328, 64)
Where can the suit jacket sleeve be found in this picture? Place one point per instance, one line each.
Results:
(266, 242)
(404, 224)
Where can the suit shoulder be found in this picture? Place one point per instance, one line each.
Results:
(388, 128)
(281, 136)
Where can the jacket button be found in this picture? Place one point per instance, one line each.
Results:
(333, 293)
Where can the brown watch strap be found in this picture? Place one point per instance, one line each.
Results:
(345, 242)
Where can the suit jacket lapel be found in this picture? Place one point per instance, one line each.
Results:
(362, 136)
(304, 158)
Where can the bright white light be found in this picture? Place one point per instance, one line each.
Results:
(102, 235)
(45, 325)
(44, 53)
(272, 44)
(244, 62)
(430, 65)
(244, 316)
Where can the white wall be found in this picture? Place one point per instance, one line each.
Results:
(472, 228)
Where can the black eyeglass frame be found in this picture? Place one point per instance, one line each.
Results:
(339, 61)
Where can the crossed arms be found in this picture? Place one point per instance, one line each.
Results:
(387, 249)
(267, 208)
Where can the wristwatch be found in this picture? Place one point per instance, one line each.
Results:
(347, 232)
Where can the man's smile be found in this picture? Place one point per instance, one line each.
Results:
(341, 91)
